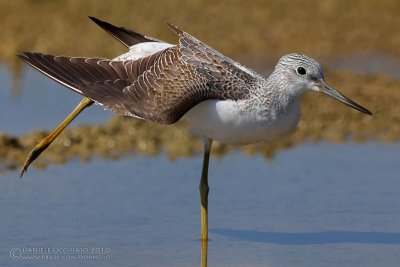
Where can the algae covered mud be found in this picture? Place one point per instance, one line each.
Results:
(248, 35)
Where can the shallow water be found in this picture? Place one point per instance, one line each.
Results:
(367, 63)
(41, 104)
(314, 205)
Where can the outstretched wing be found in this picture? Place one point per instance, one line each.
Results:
(161, 87)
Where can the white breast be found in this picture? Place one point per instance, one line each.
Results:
(225, 121)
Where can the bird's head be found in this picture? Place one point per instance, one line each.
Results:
(298, 73)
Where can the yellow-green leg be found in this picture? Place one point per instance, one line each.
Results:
(204, 189)
(45, 142)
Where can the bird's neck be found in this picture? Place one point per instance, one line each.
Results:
(277, 95)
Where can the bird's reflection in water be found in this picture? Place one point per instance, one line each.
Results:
(204, 250)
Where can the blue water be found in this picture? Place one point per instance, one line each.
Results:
(41, 104)
(314, 205)
(367, 63)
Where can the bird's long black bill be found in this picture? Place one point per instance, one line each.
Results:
(338, 96)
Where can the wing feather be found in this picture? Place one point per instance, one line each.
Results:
(160, 87)
(126, 36)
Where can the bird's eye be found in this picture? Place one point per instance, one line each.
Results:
(301, 71)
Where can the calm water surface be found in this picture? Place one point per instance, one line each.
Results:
(314, 205)
(40, 104)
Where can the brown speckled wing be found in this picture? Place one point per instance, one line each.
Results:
(161, 87)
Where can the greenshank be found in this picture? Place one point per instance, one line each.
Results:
(161, 82)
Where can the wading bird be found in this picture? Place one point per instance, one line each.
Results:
(162, 82)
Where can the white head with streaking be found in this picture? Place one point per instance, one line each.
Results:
(298, 73)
